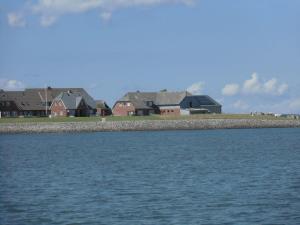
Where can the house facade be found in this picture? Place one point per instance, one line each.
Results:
(165, 103)
(36, 101)
(69, 104)
(136, 103)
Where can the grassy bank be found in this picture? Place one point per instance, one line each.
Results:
(134, 118)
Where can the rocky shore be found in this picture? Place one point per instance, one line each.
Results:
(146, 125)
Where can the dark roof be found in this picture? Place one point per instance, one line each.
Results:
(100, 104)
(34, 98)
(54, 92)
(203, 100)
(70, 100)
(23, 100)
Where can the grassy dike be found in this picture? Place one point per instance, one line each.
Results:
(135, 118)
(149, 123)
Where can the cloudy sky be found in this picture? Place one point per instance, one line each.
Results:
(245, 54)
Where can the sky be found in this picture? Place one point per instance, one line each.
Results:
(245, 54)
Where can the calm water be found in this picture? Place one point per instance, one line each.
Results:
(179, 177)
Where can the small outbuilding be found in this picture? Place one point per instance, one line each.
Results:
(102, 108)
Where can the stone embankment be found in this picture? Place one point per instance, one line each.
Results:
(146, 125)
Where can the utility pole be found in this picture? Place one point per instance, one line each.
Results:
(46, 105)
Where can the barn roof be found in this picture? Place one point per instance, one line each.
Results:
(203, 100)
(170, 98)
(139, 99)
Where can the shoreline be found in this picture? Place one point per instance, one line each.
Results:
(145, 125)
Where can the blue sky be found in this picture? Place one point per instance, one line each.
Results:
(245, 54)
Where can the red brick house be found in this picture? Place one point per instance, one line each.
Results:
(164, 103)
(69, 104)
(135, 103)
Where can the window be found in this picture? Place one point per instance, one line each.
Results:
(191, 104)
(7, 103)
(128, 104)
(61, 113)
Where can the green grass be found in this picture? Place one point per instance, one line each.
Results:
(134, 118)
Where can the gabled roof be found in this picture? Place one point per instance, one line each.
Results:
(24, 100)
(170, 98)
(140, 99)
(35, 98)
(70, 100)
(53, 92)
(203, 100)
(100, 104)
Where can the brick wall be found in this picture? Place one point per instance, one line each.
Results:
(123, 109)
(170, 112)
(58, 109)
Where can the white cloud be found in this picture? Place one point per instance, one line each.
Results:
(270, 87)
(11, 85)
(282, 89)
(255, 86)
(252, 86)
(261, 95)
(241, 105)
(230, 89)
(16, 19)
(196, 88)
(57, 8)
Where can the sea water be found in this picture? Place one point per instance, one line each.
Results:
(242, 176)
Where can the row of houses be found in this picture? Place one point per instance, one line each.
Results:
(56, 102)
